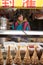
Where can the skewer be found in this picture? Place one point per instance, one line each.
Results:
(9, 60)
(34, 59)
(27, 60)
(1, 58)
(17, 59)
(41, 59)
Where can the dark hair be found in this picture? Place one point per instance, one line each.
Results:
(17, 14)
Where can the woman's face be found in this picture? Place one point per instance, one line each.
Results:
(20, 18)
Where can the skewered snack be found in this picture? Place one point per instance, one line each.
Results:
(9, 60)
(1, 58)
(17, 59)
(34, 59)
(41, 59)
(27, 60)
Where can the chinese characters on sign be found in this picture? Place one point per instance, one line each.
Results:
(7, 3)
(21, 3)
(28, 3)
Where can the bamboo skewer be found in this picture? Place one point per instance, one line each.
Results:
(41, 59)
(1, 58)
(34, 59)
(17, 59)
(27, 59)
(9, 60)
